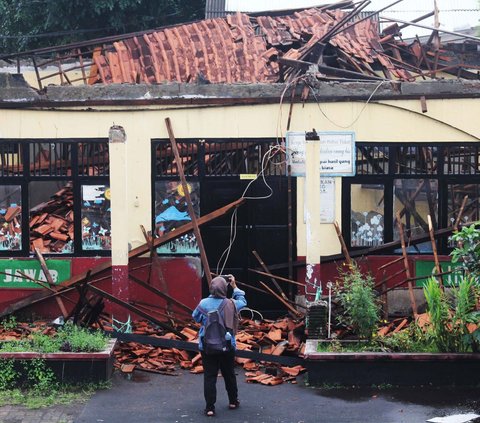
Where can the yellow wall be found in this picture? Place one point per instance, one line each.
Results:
(389, 121)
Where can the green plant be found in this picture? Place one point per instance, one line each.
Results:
(467, 250)
(69, 338)
(9, 323)
(76, 339)
(451, 315)
(8, 375)
(411, 339)
(357, 298)
(21, 345)
(45, 344)
(39, 377)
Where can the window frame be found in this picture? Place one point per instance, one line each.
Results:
(77, 181)
(444, 179)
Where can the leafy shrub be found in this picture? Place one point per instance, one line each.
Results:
(9, 323)
(357, 298)
(39, 377)
(8, 375)
(451, 315)
(467, 251)
(411, 339)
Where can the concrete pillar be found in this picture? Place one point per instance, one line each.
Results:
(312, 215)
(119, 217)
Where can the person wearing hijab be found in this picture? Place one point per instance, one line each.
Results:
(225, 362)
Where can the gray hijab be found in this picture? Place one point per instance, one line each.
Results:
(218, 289)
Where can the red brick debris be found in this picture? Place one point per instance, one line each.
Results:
(278, 337)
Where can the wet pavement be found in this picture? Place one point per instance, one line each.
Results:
(152, 398)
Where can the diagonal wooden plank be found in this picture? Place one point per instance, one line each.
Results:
(186, 192)
(135, 310)
(50, 281)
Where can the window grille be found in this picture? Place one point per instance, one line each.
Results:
(416, 160)
(461, 160)
(372, 160)
(10, 159)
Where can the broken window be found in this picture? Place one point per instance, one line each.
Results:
(367, 215)
(471, 209)
(49, 174)
(416, 180)
(171, 212)
(10, 217)
(51, 216)
(415, 200)
(96, 222)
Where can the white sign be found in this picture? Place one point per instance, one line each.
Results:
(296, 152)
(327, 200)
(337, 153)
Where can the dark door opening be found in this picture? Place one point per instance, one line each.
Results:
(262, 225)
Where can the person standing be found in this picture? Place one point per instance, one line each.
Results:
(223, 361)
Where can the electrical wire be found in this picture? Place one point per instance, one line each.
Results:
(252, 311)
(233, 220)
(222, 261)
(312, 89)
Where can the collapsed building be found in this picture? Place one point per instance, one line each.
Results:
(305, 138)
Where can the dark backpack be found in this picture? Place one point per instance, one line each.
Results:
(213, 340)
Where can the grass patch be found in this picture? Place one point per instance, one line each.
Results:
(61, 395)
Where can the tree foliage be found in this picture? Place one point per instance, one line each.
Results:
(30, 24)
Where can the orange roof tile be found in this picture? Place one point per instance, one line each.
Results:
(237, 48)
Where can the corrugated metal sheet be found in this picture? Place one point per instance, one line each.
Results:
(214, 9)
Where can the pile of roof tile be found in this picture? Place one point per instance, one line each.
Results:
(22, 330)
(51, 223)
(283, 336)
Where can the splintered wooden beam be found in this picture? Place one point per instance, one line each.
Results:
(136, 252)
(460, 213)
(342, 243)
(390, 263)
(272, 277)
(407, 267)
(186, 192)
(438, 269)
(160, 293)
(279, 298)
(50, 281)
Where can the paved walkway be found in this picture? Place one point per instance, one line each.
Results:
(57, 414)
(148, 398)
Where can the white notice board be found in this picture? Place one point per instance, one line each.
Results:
(296, 152)
(337, 153)
(327, 200)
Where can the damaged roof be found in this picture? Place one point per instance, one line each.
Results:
(329, 43)
(237, 48)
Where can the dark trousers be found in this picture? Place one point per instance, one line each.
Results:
(211, 364)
